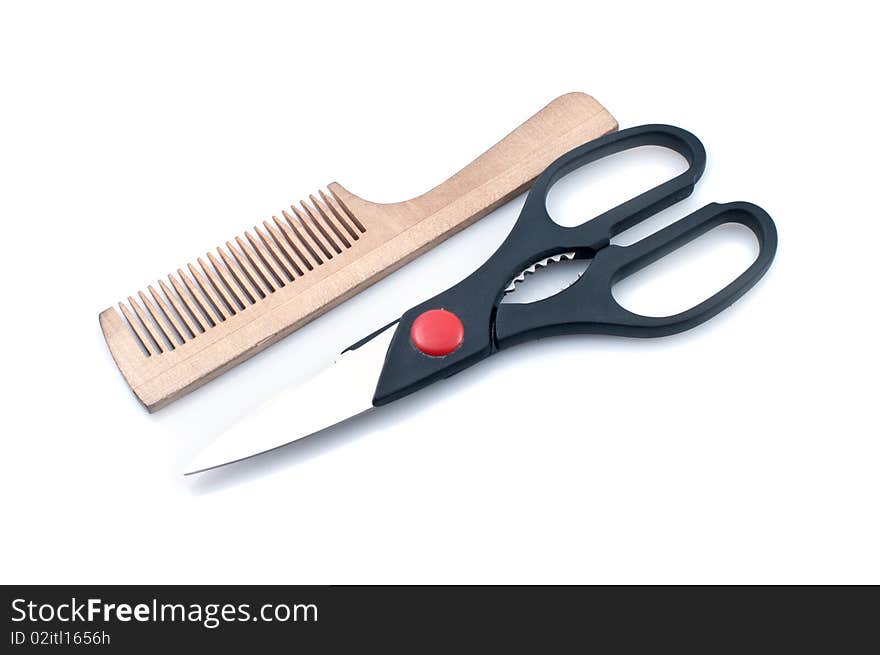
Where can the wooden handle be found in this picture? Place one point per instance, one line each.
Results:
(259, 287)
(503, 171)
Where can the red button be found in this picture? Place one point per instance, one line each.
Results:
(437, 332)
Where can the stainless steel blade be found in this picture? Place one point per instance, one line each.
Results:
(342, 390)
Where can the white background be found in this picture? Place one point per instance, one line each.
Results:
(745, 451)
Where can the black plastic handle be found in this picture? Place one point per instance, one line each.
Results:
(589, 307)
(489, 325)
(535, 235)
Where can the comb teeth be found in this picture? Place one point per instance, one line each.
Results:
(249, 268)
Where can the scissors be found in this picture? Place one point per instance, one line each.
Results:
(467, 323)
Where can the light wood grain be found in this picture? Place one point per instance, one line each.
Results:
(279, 275)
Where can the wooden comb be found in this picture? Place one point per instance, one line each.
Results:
(261, 286)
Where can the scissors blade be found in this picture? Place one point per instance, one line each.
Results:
(342, 390)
